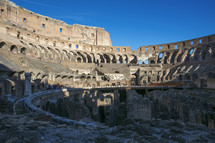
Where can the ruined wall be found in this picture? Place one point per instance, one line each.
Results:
(194, 106)
(82, 56)
(17, 21)
(138, 107)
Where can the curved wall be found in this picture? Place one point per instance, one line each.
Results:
(74, 54)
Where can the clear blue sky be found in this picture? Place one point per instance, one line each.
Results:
(134, 23)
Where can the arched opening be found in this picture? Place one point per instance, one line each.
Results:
(3, 45)
(172, 60)
(102, 114)
(149, 79)
(120, 59)
(114, 59)
(13, 49)
(83, 77)
(89, 59)
(23, 51)
(107, 58)
(198, 54)
(101, 58)
(70, 78)
(191, 51)
(166, 58)
(83, 57)
(152, 62)
(133, 59)
(125, 59)
(88, 77)
(146, 61)
(179, 59)
(160, 57)
(79, 60)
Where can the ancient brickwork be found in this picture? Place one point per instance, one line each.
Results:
(57, 54)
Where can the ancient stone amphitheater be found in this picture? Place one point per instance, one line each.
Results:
(58, 78)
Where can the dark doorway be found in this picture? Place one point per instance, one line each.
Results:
(102, 114)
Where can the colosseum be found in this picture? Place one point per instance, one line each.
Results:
(56, 77)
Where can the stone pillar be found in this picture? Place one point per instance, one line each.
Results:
(27, 84)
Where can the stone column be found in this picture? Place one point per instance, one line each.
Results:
(27, 84)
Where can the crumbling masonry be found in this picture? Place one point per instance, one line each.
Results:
(54, 54)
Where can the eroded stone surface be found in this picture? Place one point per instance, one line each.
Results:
(23, 128)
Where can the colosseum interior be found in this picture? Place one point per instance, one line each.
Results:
(57, 78)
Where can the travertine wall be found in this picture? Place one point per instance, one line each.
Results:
(82, 56)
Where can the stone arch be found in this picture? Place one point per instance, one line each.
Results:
(125, 57)
(180, 56)
(189, 55)
(73, 56)
(166, 57)
(207, 53)
(107, 58)
(44, 78)
(88, 57)
(14, 49)
(140, 62)
(100, 58)
(146, 61)
(34, 50)
(79, 59)
(57, 51)
(22, 75)
(58, 76)
(44, 51)
(119, 58)
(160, 57)
(70, 77)
(39, 48)
(83, 57)
(23, 51)
(33, 75)
(51, 53)
(64, 77)
(152, 61)
(183, 68)
(38, 76)
(83, 77)
(173, 57)
(113, 58)
(39, 51)
(3, 45)
(65, 55)
(93, 57)
(198, 54)
(189, 68)
(133, 59)
(88, 77)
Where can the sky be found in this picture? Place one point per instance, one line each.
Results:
(134, 23)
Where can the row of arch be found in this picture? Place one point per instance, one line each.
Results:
(165, 57)
(182, 72)
(42, 52)
(205, 52)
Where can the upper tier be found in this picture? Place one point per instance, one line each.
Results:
(34, 23)
(21, 23)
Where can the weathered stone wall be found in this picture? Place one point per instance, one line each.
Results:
(35, 27)
(138, 107)
(186, 105)
(57, 54)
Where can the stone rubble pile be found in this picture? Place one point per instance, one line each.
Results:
(27, 128)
